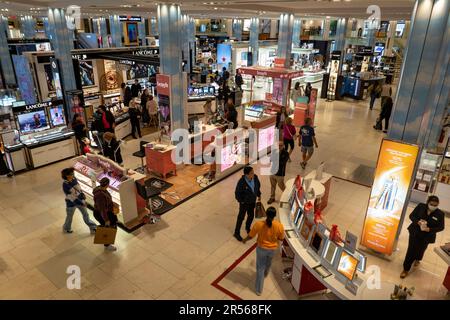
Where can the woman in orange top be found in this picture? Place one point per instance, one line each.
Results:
(269, 233)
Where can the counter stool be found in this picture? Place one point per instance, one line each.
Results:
(141, 154)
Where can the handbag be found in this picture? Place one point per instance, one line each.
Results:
(260, 212)
(105, 235)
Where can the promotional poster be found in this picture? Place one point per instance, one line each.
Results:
(163, 90)
(395, 168)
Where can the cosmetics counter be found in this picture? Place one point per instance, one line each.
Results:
(198, 95)
(42, 136)
(354, 85)
(322, 261)
(90, 169)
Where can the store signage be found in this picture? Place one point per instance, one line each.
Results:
(130, 18)
(272, 73)
(389, 195)
(127, 62)
(164, 103)
(279, 62)
(79, 56)
(31, 107)
(145, 52)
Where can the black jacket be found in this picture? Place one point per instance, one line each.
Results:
(80, 130)
(244, 193)
(134, 114)
(435, 221)
(109, 151)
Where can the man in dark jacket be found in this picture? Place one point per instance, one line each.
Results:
(135, 89)
(104, 208)
(426, 221)
(278, 171)
(247, 193)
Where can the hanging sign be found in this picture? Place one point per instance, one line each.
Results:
(389, 195)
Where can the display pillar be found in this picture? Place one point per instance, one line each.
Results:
(142, 33)
(237, 29)
(103, 32)
(61, 42)
(254, 40)
(28, 27)
(273, 29)
(6, 62)
(341, 32)
(116, 30)
(170, 42)
(423, 91)
(297, 32)
(285, 49)
(326, 29)
(188, 41)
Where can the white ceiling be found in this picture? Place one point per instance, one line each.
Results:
(390, 9)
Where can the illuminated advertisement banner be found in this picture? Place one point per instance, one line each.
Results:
(164, 93)
(393, 175)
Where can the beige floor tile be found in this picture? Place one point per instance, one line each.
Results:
(9, 266)
(33, 285)
(65, 294)
(32, 254)
(169, 265)
(120, 289)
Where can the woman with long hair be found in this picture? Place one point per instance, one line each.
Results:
(269, 233)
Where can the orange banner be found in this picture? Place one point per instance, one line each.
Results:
(395, 168)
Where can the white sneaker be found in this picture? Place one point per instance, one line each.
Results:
(111, 248)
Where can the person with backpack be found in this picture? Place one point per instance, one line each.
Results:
(75, 199)
(270, 233)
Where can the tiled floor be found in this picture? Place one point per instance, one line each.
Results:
(182, 255)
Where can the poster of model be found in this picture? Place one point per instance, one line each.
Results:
(24, 79)
(87, 73)
(393, 176)
(164, 92)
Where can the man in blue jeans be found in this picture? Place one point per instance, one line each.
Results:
(307, 141)
(75, 199)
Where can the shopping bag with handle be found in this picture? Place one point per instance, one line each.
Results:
(260, 212)
(105, 235)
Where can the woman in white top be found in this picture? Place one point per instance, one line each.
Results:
(152, 109)
(297, 92)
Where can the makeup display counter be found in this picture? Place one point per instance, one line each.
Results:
(159, 159)
(16, 157)
(49, 148)
(123, 126)
(321, 262)
(91, 168)
(445, 256)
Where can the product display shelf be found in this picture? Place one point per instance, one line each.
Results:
(123, 193)
(305, 278)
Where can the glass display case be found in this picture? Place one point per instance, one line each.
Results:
(427, 172)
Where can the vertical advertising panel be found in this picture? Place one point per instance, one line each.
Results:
(24, 79)
(56, 78)
(334, 73)
(393, 175)
(164, 92)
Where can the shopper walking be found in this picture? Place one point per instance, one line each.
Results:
(308, 90)
(289, 133)
(75, 199)
(104, 208)
(385, 114)
(386, 91)
(135, 115)
(247, 193)
(270, 233)
(307, 140)
(282, 115)
(375, 93)
(426, 221)
(297, 92)
(278, 171)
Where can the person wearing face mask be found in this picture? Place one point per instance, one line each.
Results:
(426, 221)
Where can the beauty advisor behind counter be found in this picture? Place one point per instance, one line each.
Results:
(427, 220)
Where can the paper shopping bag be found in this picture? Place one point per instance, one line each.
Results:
(260, 212)
(105, 235)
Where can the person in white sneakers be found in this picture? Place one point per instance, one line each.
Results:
(75, 199)
(104, 208)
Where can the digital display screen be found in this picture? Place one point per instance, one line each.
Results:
(266, 138)
(57, 116)
(305, 230)
(330, 252)
(347, 265)
(316, 242)
(224, 53)
(362, 261)
(87, 73)
(294, 208)
(33, 121)
(230, 155)
(298, 216)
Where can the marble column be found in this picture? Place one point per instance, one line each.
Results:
(297, 32)
(237, 29)
(5, 61)
(423, 91)
(142, 33)
(28, 27)
(254, 40)
(170, 41)
(273, 29)
(61, 43)
(284, 51)
(341, 33)
(115, 27)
